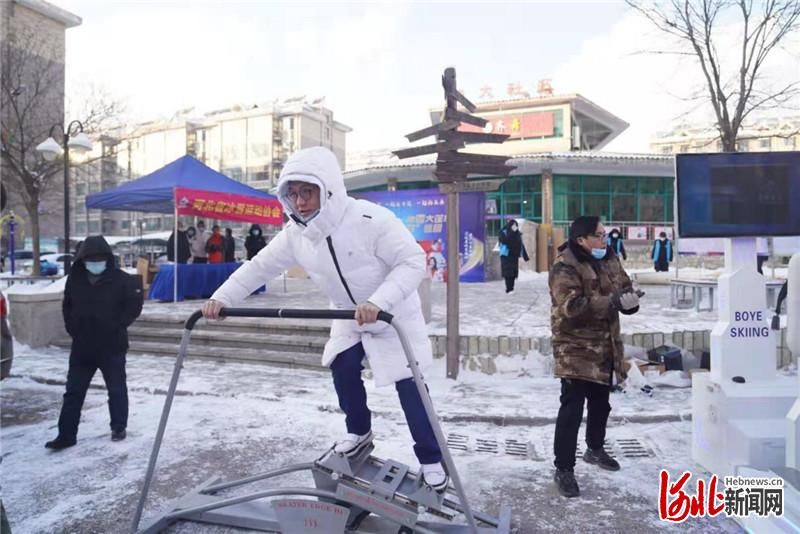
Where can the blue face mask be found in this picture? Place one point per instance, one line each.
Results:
(95, 267)
(598, 253)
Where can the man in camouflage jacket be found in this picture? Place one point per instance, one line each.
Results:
(588, 290)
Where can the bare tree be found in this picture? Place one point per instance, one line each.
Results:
(735, 95)
(31, 103)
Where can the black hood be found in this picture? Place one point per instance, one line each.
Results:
(95, 245)
(254, 228)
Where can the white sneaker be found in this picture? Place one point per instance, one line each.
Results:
(434, 476)
(352, 444)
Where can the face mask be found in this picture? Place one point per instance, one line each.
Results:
(514, 227)
(663, 238)
(615, 236)
(598, 253)
(257, 233)
(309, 218)
(95, 267)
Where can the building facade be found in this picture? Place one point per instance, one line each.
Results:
(763, 135)
(554, 188)
(33, 43)
(554, 143)
(247, 143)
(545, 123)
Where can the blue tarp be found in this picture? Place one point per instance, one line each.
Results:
(154, 192)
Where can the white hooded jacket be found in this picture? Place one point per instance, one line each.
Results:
(377, 256)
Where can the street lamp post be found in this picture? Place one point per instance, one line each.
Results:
(72, 137)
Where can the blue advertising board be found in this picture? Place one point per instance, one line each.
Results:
(424, 213)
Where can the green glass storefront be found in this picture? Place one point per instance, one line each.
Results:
(621, 200)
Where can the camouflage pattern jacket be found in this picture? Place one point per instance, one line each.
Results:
(587, 343)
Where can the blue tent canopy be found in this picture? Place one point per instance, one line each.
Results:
(155, 191)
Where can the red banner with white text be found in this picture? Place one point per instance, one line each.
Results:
(227, 206)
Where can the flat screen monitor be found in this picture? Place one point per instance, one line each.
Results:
(738, 194)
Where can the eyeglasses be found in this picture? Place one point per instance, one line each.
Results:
(599, 235)
(304, 192)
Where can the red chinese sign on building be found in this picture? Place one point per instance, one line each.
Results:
(517, 125)
(228, 206)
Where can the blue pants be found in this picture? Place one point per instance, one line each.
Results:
(346, 370)
(79, 376)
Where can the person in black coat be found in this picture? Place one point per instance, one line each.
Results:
(229, 246)
(255, 241)
(615, 242)
(100, 302)
(184, 251)
(511, 248)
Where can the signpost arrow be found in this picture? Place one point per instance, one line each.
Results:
(469, 186)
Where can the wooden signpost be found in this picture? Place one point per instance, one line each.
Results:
(452, 168)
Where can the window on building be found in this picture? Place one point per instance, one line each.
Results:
(651, 208)
(513, 205)
(763, 143)
(623, 185)
(258, 173)
(666, 149)
(566, 184)
(80, 228)
(595, 184)
(623, 208)
(234, 173)
(596, 205)
(789, 142)
(626, 199)
(684, 148)
(743, 145)
(94, 227)
(234, 141)
(125, 224)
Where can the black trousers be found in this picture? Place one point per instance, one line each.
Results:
(573, 393)
(198, 259)
(510, 283)
(79, 376)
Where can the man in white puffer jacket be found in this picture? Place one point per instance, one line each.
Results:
(362, 257)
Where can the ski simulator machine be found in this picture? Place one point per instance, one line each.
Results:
(346, 491)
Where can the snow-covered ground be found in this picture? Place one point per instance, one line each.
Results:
(485, 309)
(236, 420)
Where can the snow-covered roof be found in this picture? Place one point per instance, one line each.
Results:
(582, 162)
(69, 20)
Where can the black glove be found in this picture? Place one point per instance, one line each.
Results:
(776, 322)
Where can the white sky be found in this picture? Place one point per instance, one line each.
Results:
(378, 64)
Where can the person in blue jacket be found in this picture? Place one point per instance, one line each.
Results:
(615, 242)
(662, 253)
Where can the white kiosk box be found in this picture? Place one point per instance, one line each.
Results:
(744, 412)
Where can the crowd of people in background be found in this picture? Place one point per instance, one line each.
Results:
(197, 245)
